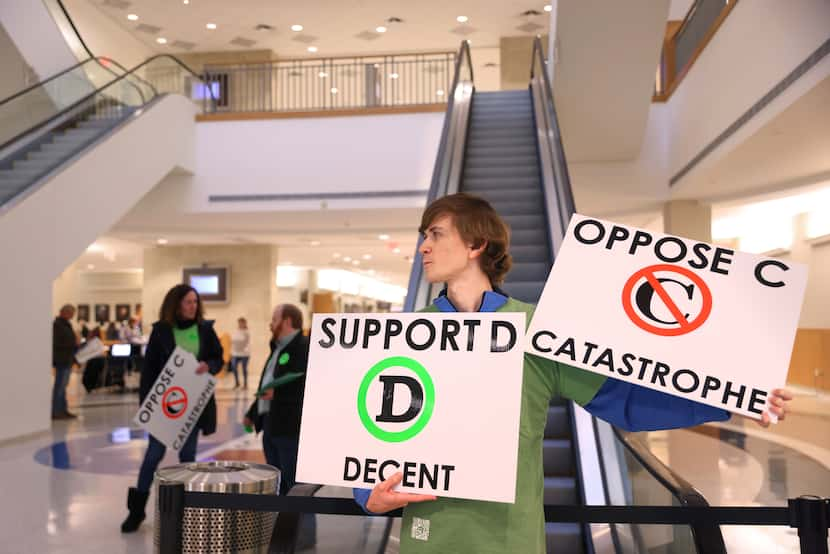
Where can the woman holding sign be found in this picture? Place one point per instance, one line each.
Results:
(181, 324)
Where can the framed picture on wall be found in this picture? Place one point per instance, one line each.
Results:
(102, 313)
(83, 312)
(122, 312)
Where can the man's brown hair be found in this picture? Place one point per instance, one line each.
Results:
(477, 223)
(292, 312)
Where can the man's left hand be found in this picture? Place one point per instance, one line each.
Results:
(777, 403)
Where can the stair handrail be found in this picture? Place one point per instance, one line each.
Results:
(84, 99)
(446, 175)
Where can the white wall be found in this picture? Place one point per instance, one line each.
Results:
(104, 36)
(251, 276)
(759, 43)
(313, 155)
(31, 27)
(52, 227)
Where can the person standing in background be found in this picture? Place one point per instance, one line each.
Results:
(64, 344)
(240, 352)
(181, 323)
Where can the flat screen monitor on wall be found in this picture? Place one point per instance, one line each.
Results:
(210, 282)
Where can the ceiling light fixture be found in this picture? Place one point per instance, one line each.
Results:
(462, 19)
(548, 8)
(315, 243)
(322, 74)
(393, 75)
(161, 40)
(380, 29)
(211, 26)
(296, 28)
(312, 49)
(347, 259)
(90, 266)
(355, 262)
(334, 90)
(336, 255)
(186, 2)
(396, 250)
(439, 92)
(132, 17)
(383, 237)
(162, 241)
(367, 256)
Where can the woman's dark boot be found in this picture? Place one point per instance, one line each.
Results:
(136, 502)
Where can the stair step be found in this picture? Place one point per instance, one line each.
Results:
(31, 164)
(558, 425)
(560, 490)
(502, 133)
(518, 151)
(505, 195)
(500, 143)
(558, 458)
(39, 155)
(564, 537)
(19, 173)
(526, 291)
(517, 207)
(529, 236)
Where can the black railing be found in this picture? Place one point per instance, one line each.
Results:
(809, 514)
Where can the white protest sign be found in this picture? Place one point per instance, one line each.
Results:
(683, 317)
(436, 396)
(176, 400)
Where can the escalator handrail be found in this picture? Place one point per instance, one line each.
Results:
(82, 101)
(438, 185)
(40, 84)
(708, 538)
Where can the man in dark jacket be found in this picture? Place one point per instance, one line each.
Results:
(64, 345)
(277, 410)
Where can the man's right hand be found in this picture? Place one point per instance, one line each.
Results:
(383, 499)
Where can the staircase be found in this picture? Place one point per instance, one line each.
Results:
(502, 165)
(28, 165)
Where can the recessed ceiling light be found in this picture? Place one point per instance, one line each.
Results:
(312, 49)
(186, 2)
(161, 40)
(132, 17)
(315, 243)
(367, 256)
(469, 42)
(383, 237)
(393, 75)
(347, 259)
(162, 241)
(211, 26)
(336, 255)
(355, 262)
(439, 92)
(90, 266)
(548, 8)
(334, 90)
(396, 250)
(462, 19)
(296, 28)
(322, 74)
(380, 29)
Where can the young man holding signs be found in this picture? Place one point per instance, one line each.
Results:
(465, 246)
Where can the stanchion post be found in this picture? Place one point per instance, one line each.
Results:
(811, 516)
(171, 516)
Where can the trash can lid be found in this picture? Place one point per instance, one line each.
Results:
(223, 476)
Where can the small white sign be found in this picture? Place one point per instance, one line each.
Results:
(687, 318)
(172, 408)
(436, 396)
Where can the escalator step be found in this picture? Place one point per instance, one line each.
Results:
(530, 253)
(526, 291)
(525, 222)
(501, 143)
(500, 183)
(502, 159)
(558, 425)
(560, 490)
(564, 537)
(529, 236)
(511, 171)
(519, 206)
(529, 271)
(557, 456)
(495, 196)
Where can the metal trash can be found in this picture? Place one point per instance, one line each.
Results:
(213, 531)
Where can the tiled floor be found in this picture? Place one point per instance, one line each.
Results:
(65, 491)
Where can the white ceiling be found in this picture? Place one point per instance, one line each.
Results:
(330, 25)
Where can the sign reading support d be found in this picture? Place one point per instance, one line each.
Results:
(424, 394)
(687, 318)
(171, 409)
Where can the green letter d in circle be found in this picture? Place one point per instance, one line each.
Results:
(426, 411)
